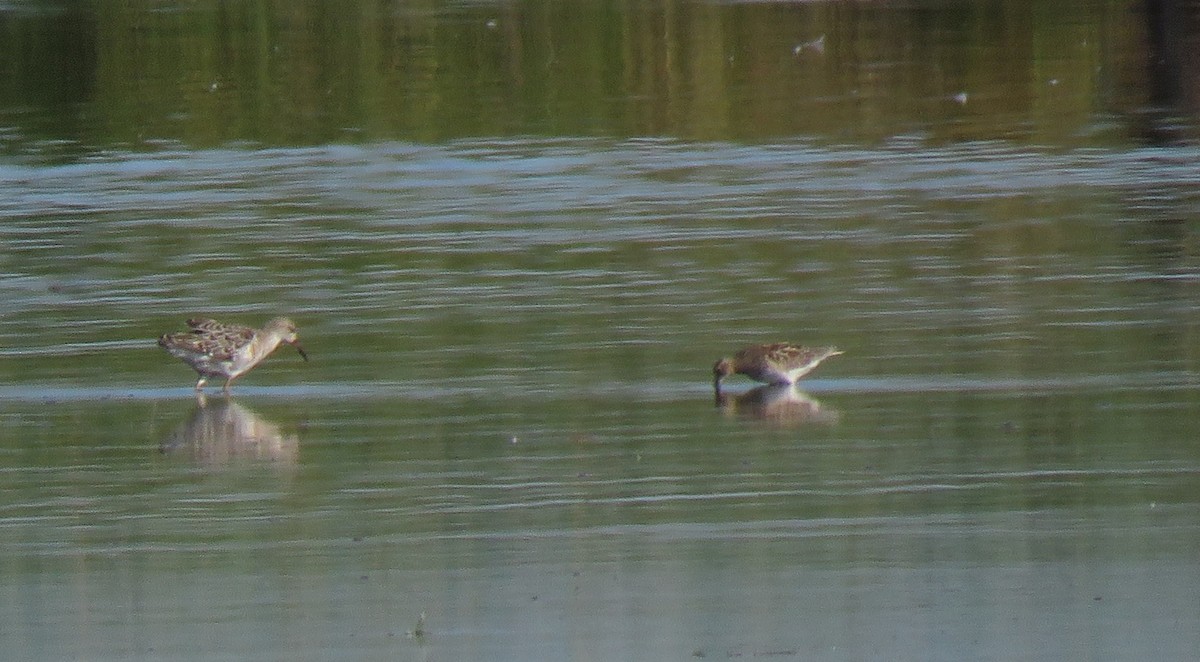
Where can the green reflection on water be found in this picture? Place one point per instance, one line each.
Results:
(580, 510)
(210, 73)
(85, 476)
(506, 421)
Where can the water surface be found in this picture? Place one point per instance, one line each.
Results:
(508, 425)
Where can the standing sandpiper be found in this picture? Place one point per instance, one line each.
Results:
(214, 349)
(779, 363)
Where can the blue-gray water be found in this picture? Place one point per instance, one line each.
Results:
(508, 426)
(506, 445)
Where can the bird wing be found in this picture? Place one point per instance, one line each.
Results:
(234, 332)
(787, 355)
(206, 325)
(219, 341)
(780, 362)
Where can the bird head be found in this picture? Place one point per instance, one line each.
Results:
(721, 370)
(286, 330)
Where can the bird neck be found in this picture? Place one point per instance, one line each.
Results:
(264, 343)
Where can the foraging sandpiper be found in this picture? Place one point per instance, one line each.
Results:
(778, 363)
(214, 349)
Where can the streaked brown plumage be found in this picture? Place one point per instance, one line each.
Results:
(214, 349)
(777, 363)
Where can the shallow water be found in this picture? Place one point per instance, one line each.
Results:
(938, 524)
(508, 424)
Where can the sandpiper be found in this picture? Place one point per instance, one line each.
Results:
(214, 349)
(778, 363)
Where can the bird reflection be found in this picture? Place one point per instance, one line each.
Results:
(222, 432)
(783, 405)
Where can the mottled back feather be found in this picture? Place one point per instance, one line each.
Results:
(214, 340)
(775, 363)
